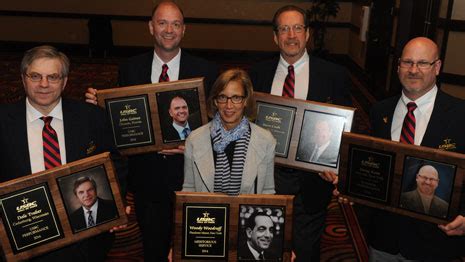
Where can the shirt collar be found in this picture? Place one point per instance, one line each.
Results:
(171, 64)
(304, 59)
(423, 100)
(180, 128)
(33, 114)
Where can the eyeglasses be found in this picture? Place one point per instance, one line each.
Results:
(163, 24)
(284, 29)
(431, 179)
(222, 99)
(35, 77)
(420, 64)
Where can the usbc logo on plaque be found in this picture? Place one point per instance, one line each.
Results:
(30, 218)
(205, 231)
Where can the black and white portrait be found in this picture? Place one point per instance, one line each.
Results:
(261, 233)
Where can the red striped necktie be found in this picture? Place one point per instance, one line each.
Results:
(407, 135)
(289, 82)
(52, 156)
(164, 74)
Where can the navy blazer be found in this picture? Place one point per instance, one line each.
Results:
(328, 83)
(416, 239)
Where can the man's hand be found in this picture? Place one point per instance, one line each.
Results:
(293, 256)
(174, 151)
(330, 177)
(454, 228)
(91, 96)
(116, 228)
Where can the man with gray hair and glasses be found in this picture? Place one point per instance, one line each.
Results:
(44, 131)
(421, 115)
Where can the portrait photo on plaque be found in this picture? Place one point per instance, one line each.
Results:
(88, 198)
(30, 218)
(130, 121)
(427, 186)
(179, 113)
(260, 234)
(320, 138)
(279, 119)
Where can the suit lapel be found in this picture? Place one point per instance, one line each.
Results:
(17, 134)
(437, 121)
(253, 159)
(273, 66)
(72, 126)
(387, 116)
(146, 68)
(184, 65)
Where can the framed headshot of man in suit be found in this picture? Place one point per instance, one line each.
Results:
(320, 138)
(427, 186)
(88, 198)
(179, 113)
(261, 233)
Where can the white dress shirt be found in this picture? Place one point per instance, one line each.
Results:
(34, 135)
(425, 105)
(301, 72)
(173, 67)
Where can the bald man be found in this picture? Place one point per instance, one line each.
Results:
(439, 123)
(422, 199)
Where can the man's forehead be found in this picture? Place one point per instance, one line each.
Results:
(290, 16)
(45, 66)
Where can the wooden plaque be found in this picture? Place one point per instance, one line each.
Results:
(40, 212)
(393, 176)
(211, 226)
(295, 124)
(140, 118)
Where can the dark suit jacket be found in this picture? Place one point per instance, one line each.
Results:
(106, 211)
(328, 83)
(411, 200)
(327, 157)
(244, 254)
(413, 238)
(170, 133)
(86, 132)
(142, 180)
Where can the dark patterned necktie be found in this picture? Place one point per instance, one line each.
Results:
(261, 257)
(289, 82)
(407, 135)
(52, 156)
(164, 74)
(186, 131)
(90, 219)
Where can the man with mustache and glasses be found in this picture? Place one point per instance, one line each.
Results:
(153, 191)
(421, 115)
(297, 74)
(260, 231)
